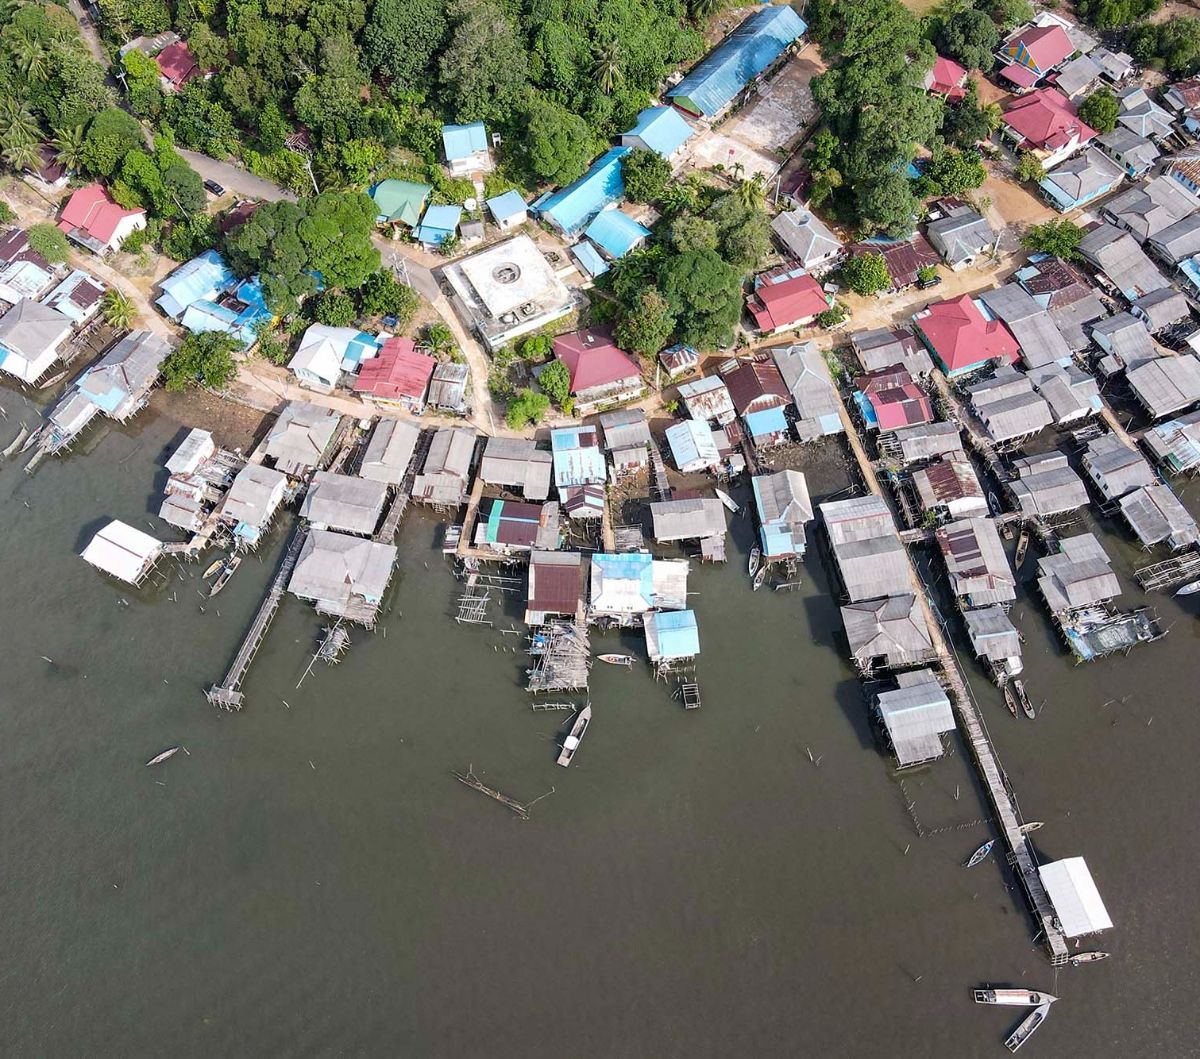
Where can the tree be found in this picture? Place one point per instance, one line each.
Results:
(691, 232)
(955, 172)
(751, 193)
(557, 145)
(1058, 237)
(383, 295)
(537, 347)
(142, 81)
(401, 38)
(482, 70)
(1010, 13)
(831, 317)
(7, 214)
(23, 155)
(68, 147)
(971, 37)
(335, 309)
(705, 295)
(606, 66)
(190, 236)
(646, 325)
(1100, 110)
(1173, 46)
(1108, 14)
(111, 136)
(439, 339)
(646, 175)
(888, 205)
(1029, 169)
(555, 382)
(866, 274)
(203, 358)
(47, 240)
(743, 231)
(967, 122)
(117, 309)
(703, 10)
(525, 408)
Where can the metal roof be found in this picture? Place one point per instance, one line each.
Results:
(1155, 515)
(693, 519)
(462, 141)
(806, 237)
(926, 440)
(342, 502)
(573, 206)
(334, 569)
(1167, 384)
(976, 562)
(915, 716)
(883, 347)
(300, 436)
(1118, 256)
(892, 628)
(519, 463)
(616, 233)
(577, 456)
(672, 635)
(1076, 900)
(692, 445)
(255, 494)
(122, 551)
(389, 451)
(625, 428)
(662, 129)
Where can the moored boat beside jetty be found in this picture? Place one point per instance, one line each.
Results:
(1029, 998)
(575, 736)
(1026, 1030)
(981, 853)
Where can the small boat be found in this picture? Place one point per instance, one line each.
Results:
(727, 500)
(617, 660)
(1010, 698)
(980, 854)
(1022, 545)
(16, 443)
(1023, 699)
(575, 736)
(158, 759)
(755, 559)
(213, 568)
(1024, 1031)
(759, 578)
(231, 564)
(1088, 957)
(1033, 825)
(1188, 589)
(1027, 998)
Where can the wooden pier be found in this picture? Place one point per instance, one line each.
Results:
(469, 779)
(1158, 577)
(970, 721)
(228, 693)
(660, 487)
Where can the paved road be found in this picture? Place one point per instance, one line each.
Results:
(234, 178)
(90, 37)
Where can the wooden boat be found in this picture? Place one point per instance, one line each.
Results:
(213, 568)
(1088, 957)
(1010, 698)
(1188, 589)
(617, 660)
(1027, 998)
(171, 751)
(727, 500)
(1023, 699)
(1033, 825)
(759, 578)
(1026, 1030)
(755, 559)
(16, 443)
(1022, 545)
(981, 853)
(571, 743)
(227, 572)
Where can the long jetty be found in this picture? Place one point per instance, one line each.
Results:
(970, 721)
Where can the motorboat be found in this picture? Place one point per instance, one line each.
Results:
(575, 736)
(727, 500)
(1088, 957)
(1026, 1030)
(617, 660)
(1027, 998)
(755, 559)
(1033, 825)
(227, 572)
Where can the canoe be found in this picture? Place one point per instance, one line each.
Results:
(1024, 1031)
(755, 559)
(1022, 545)
(1088, 957)
(213, 568)
(1188, 589)
(617, 660)
(981, 853)
(159, 758)
(1023, 699)
(1010, 698)
(224, 576)
(727, 500)
(1033, 825)
(759, 578)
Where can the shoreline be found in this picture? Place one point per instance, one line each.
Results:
(234, 424)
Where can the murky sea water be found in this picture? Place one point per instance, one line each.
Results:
(312, 880)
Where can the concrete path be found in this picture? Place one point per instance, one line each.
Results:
(236, 179)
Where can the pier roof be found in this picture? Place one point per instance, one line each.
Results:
(1115, 467)
(632, 583)
(577, 456)
(1176, 443)
(926, 440)
(1076, 900)
(869, 555)
(1166, 384)
(992, 634)
(192, 451)
(692, 445)
(1155, 515)
(119, 380)
(254, 495)
(784, 508)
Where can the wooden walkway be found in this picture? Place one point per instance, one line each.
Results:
(660, 487)
(468, 527)
(387, 532)
(228, 693)
(970, 721)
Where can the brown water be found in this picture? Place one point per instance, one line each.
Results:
(312, 880)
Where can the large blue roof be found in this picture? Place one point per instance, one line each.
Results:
(616, 233)
(678, 633)
(662, 129)
(737, 60)
(576, 204)
(462, 141)
(202, 277)
(577, 459)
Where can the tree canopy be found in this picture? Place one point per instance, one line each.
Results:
(1100, 110)
(1058, 237)
(203, 358)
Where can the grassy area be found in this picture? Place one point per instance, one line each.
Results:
(919, 7)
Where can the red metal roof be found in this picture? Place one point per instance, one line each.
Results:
(177, 64)
(895, 398)
(755, 384)
(1046, 119)
(94, 212)
(792, 301)
(554, 588)
(1020, 75)
(398, 371)
(1047, 46)
(946, 78)
(961, 336)
(593, 360)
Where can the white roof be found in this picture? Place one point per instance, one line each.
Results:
(1075, 897)
(321, 351)
(122, 551)
(192, 451)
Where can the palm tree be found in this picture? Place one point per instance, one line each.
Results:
(704, 9)
(118, 310)
(31, 57)
(23, 155)
(750, 193)
(68, 147)
(606, 66)
(17, 125)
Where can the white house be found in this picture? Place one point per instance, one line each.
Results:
(466, 149)
(325, 352)
(30, 337)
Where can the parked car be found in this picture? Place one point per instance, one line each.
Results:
(214, 187)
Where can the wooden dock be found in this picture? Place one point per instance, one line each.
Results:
(660, 487)
(387, 532)
(228, 693)
(1158, 577)
(970, 722)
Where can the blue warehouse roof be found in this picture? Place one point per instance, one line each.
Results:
(507, 205)
(573, 206)
(662, 129)
(616, 233)
(737, 60)
(462, 141)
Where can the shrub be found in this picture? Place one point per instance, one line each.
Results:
(335, 309)
(525, 408)
(47, 240)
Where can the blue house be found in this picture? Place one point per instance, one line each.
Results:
(784, 509)
(715, 81)
(671, 635)
(616, 233)
(662, 130)
(466, 148)
(439, 224)
(589, 258)
(1081, 179)
(767, 427)
(204, 295)
(206, 276)
(569, 209)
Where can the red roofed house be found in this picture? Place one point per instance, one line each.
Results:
(788, 303)
(600, 372)
(176, 66)
(893, 399)
(1033, 52)
(397, 375)
(755, 384)
(1046, 123)
(91, 218)
(961, 338)
(947, 79)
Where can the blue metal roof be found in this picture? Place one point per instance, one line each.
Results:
(576, 204)
(768, 421)
(616, 233)
(462, 141)
(628, 566)
(737, 60)
(202, 277)
(678, 633)
(577, 461)
(662, 129)
(589, 258)
(438, 224)
(361, 347)
(866, 409)
(692, 441)
(507, 205)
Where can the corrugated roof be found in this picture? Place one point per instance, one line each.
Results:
(616, 233)
(1076, 900)
(672, 635)
(676, 520)
(576, 204)
(662, 129)
(462, 141)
